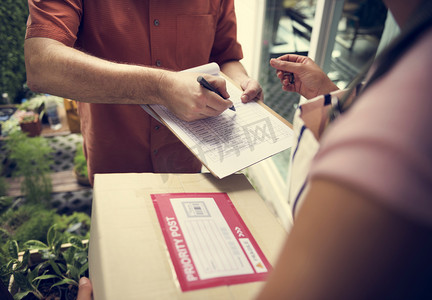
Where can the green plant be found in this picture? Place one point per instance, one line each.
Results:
(33, 159)
(76, 224)
(80, 162)
(58, 266)
(3, 186)
(39, 102)
(26, 116)
(19, 269)
(13, 16)
(5, 201)
(36, 226)
(32, 221)
(27, 222)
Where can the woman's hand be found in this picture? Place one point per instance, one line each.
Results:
(302, 75)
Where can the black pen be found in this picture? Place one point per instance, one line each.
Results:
(208, 86)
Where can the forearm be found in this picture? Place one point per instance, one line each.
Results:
(339, 249)
(251, 88)
(63, 71)
(235, 70)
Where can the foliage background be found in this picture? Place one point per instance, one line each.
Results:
(13, 18)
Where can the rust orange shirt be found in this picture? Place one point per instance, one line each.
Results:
(173, 34)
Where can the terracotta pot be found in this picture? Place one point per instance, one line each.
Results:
(33, 128)
(82, 180)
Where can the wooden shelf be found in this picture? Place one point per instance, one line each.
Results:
(64, 181)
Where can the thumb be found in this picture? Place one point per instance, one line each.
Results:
(279, 64)
(84, 289)
(286, 66)
(251, 90)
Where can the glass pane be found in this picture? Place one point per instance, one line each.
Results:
(287, 29)
(357, 40)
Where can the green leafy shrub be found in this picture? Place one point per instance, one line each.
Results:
(57, 267)
(13, 17)
(80, 162)
(35, 227)
(3, 186)
(33, 159)
(28, 222)
(76, 224)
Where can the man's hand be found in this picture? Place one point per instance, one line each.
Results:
(252, 90)
(308, 79)
(188, 100)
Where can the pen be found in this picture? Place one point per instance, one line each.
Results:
(208, 86)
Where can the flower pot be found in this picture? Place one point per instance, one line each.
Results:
(82, 180)
(32, 128)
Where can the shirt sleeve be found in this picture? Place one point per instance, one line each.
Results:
(58, 20)
(226, 47)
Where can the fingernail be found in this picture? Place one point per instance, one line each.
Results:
(245, 97)
(83, 281)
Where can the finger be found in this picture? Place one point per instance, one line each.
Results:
(216, 103)
(285, 66)
(251, 91)
(280, 74)
(281, 65)
(84, 289)
(220, 84)
(288, 78)
(290, 57)
(208, 112)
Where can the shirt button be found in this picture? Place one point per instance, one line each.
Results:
(156, 22)
(156, 127)
(158, 63)
(155, 151)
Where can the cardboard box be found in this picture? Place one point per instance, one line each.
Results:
(128, 255)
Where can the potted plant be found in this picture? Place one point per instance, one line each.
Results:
(29, 122)
(80, 166)
(46, 270)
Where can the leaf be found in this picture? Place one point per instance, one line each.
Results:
(55, 268)
(51, 235)
(10, 265)
(65, 281)
(57, 247)
(20, 295)
(22, 281)
(83, 269)
(26, 258)
(13, 249)
(35, 244)
(81, 258)
(74, 271)
(40, 267)
(31, 275)
(68, 255)
(47, 276)
(76, 242)
(5, 270)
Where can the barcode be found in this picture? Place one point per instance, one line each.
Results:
(198, 209)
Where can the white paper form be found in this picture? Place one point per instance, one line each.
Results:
(231, 141)
(211, 243)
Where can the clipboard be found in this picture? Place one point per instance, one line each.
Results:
(232, 141)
